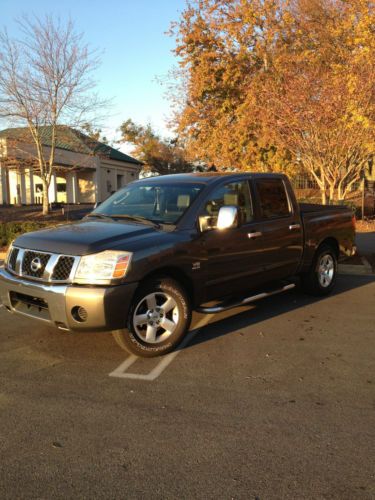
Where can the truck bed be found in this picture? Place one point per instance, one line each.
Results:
(322, 221)
(306, 208)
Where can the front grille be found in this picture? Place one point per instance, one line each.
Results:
(40, 260)
(13, 259)
(63, 268)
(42, 266)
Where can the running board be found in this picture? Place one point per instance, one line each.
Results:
(230, 305)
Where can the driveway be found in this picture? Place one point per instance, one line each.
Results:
(270, 401)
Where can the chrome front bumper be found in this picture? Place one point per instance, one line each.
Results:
(106, 308)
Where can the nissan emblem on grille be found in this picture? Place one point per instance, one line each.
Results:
(36, 264)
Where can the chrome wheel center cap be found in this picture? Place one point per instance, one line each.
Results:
(154, 315)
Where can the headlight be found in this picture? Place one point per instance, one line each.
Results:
(103, 267)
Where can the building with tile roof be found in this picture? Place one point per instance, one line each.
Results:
(85, 170)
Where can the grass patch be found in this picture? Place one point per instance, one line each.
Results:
(9, 231)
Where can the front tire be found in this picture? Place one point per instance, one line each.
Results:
(321, 277)
(158, 319)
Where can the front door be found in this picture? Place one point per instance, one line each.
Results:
(231, 261)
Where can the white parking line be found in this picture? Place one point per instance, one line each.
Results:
(120, 372)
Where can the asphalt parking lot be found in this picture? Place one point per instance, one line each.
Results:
(276, 400)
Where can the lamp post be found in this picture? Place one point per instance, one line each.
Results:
(363, 194)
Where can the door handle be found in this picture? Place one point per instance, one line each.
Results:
(294, 226)
(254, 234)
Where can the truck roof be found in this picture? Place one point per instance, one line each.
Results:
(207, 177)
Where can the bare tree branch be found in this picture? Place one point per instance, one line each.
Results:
(46, 81)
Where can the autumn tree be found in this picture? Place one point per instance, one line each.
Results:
(223, 48)
(272, 84)
(320, 92)
(159, 156)
(46, 81)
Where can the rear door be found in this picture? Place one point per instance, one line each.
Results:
(277, 228)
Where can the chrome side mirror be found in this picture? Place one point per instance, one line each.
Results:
(227, 218)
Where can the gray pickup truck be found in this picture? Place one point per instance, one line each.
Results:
(161, 247)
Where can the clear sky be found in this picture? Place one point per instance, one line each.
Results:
(136, 50)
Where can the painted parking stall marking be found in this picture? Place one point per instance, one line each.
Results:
(121, 371)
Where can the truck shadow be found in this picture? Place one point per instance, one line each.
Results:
(268, 308)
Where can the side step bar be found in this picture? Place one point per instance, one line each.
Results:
(224, 306)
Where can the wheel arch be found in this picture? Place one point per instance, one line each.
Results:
(332, 242)
(175, 273)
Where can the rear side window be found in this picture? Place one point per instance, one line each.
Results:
(273, 199)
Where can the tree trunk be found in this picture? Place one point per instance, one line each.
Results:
(340, 194)
(323, 192)
(45, 197)
(331, 193)
(323, 186)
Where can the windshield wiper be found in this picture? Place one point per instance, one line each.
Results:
(100, 216)
(136, 218)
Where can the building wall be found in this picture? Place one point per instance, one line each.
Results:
(114, 175)
(86, 187)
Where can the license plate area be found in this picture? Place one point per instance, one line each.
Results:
(30, 305)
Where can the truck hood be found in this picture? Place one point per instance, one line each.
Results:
(84, 237)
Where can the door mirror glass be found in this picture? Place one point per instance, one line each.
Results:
(227, 218)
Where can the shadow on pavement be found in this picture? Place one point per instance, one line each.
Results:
(271, 307)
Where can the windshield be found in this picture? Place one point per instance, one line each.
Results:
(164, 203)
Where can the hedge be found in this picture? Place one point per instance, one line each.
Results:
(11, 230)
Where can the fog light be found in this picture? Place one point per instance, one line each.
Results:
(79, 314)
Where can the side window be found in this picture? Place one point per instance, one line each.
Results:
(234, 194)
(272, 198)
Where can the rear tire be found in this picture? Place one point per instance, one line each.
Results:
(321, 277)
(158, 319)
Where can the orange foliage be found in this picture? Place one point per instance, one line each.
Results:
(279, 85)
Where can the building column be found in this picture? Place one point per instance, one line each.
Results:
(22, 184)
(72, 194)
(3, 186)
(97, 182)
(29, 180)
(52, 190)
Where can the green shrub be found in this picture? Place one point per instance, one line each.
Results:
(11, 230)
